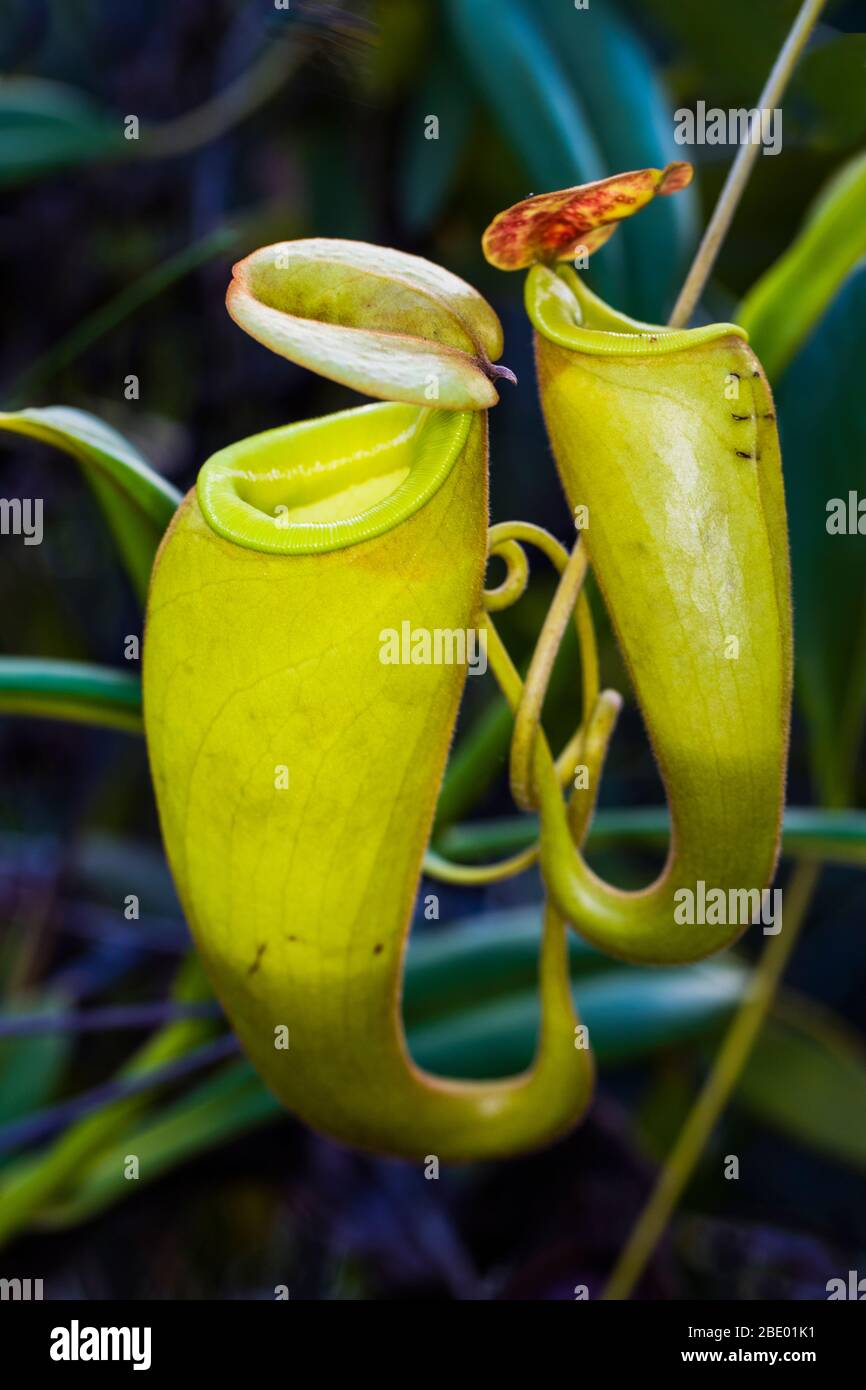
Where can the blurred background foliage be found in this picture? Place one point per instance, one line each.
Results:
(259, 123)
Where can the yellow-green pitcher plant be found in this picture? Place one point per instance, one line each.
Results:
(667, 449)
(318, 599)
(298, 721)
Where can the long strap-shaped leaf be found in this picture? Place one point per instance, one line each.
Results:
(138, 504)
(787, 302)
(73, 690)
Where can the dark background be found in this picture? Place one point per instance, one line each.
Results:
(337, 149)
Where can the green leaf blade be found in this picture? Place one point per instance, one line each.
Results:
(71, 690)
(807, 1078)
(137, 502)
(786, 304)
(46, 127)
(822, 414)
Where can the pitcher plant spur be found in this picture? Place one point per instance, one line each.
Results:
(297, 774)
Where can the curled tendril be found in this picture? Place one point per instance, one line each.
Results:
(506, 542)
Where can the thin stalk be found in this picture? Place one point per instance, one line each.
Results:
(742, 166)
(717, 1090)
(528, 717)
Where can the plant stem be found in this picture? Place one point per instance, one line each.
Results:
(528, 716)
(742, 166)
(730, 1060)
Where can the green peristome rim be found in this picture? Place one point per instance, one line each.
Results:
(349, 448)
(566, 312)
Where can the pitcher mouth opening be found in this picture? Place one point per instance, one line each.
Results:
(327, 484)
(564, 310)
